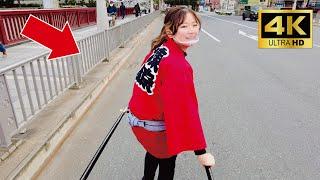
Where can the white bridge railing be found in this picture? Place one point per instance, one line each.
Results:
(28, 86)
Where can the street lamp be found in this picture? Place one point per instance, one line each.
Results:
(227, 5)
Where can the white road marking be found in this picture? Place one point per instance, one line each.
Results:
(248, 35)
(231, 22)
(204, 31)
(317, 45)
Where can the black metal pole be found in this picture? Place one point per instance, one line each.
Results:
(96, 156)
(209, 173)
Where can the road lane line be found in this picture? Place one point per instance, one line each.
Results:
(231, 22)
(248, 35)
(216, 39)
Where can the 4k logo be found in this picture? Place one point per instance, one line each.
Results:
(285, 29)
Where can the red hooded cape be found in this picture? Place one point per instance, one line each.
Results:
(164, 90)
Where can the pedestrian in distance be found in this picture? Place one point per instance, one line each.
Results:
(137, 10)
(163, 109)
(122, 10)
(112, 12)
(3, 50)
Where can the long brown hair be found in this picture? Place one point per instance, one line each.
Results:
(173, 19)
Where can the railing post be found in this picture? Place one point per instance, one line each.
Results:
(108, 45)
(66, 15)
(88, 19)
(50, 19)
(78, 63)
(76, 73)
(8, 123)
(121, 37)
(3, 34)
(78, 18)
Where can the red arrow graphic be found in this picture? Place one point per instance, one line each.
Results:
(61, 42)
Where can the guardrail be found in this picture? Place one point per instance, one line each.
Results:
(12, 21)
(28, 86)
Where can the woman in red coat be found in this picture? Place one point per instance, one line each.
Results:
(163, 108)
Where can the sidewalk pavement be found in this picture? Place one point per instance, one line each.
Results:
(50, 127)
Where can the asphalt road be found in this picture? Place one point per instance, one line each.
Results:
(260, 110)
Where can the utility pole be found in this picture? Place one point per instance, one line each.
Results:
(294, 5)
(227, 5)
(151, 6)
(102, 19)
(50, 4)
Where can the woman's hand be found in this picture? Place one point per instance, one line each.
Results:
(206, 159)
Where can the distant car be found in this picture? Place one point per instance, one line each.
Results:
(223, 12)
(250, 12)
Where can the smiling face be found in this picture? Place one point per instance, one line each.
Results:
(181, 24)
(187, 32)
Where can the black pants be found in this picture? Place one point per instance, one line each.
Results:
(166, 167)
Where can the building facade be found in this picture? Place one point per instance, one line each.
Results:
(235, 4)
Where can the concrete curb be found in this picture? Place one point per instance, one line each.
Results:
(36, 160)
(7, 151)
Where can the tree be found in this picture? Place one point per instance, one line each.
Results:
(9, 2)
(72, 2)
(156, 1)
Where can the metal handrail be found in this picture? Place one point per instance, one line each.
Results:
(29, 85)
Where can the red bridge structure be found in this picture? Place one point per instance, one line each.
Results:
(12, 21)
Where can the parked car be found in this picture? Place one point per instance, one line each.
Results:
(250, 12)
(224, 12)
